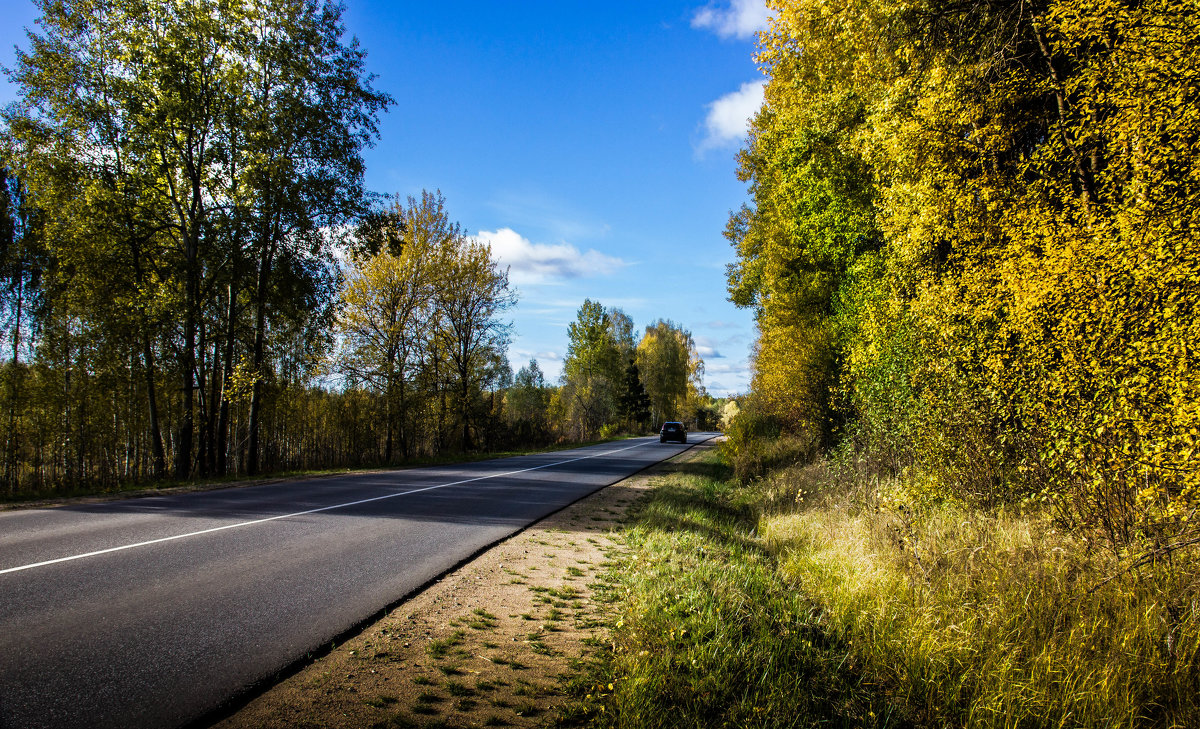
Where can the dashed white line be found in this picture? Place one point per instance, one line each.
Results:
(309, 511)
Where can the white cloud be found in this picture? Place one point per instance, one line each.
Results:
(729, 116)
(742, 19)
(722, 368)
(707, 348)
(535, 263)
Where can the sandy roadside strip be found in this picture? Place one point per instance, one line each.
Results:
(487, 645)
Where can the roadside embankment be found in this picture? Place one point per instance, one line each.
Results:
(809, 598)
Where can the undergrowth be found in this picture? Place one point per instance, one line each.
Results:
(989, 618)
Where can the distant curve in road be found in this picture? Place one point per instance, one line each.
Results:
(157, 611)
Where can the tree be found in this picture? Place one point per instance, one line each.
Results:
(729, 411)
(312, 112)
(472, 294)
(972, 236)
(528, 398)
(430, 314)
(592, 369)
(22, 261)
(196, 151)
(633, 404)
(669, 365)
(385, 304)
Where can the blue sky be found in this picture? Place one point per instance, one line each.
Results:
(591, 143)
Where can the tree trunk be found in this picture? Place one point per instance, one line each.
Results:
(441, 392)
(183, 457)
(387, 417)
(223, 418)
(260, 327)
(14, 391)
(403, 419)
(464, 408)
(216, 377)
(205, 425)
(156, 441)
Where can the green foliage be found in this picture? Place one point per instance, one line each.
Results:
(633, 404)
(670, 368)
(805, 599)
(608, 381)
(754, 444)
(189, 161)
(527, 405)
(425, 324)
(599, 343)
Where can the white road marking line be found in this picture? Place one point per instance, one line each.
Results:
(309, 511)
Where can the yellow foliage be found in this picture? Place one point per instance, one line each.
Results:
(974, 233)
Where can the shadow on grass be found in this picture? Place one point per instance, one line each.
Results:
(705, 512)
(713, 469)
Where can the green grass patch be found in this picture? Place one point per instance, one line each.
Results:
(399, 720)
(440, 648)
(458, 688)
(706, 631)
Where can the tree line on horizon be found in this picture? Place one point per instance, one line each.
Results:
(972, 250)
(195, 283)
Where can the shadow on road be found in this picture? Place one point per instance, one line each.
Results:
(446, 494)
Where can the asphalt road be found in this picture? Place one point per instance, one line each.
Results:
(155, 612)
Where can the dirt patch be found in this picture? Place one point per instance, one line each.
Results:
(490, 644)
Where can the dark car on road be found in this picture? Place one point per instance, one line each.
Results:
(672, 431)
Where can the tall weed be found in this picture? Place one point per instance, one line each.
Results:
(990, 618)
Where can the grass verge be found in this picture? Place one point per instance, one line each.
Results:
(803, 600)
(707, 632)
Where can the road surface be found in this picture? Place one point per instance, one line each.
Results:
(155, 612)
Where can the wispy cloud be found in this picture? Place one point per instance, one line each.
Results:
(729, 117)
(718, 324)
(726, 378)
(726, 368)
(539, 263)
(740, 19)
(546, 355)
(547, 214)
